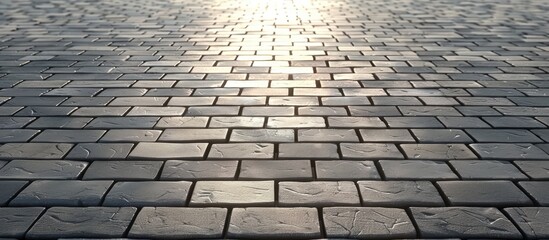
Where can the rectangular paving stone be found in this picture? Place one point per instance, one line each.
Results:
(9, 189)
(484, 193)
(370, 151)
(534, 169)
(152, 222)
(275, 169)
(156, 150)
(487, 170)
(198, 170)
(295, 223)
(399, 194)
(16, 221)
(537, 191)
(42, 169)
(62, 193)
(16, 135)
(100, 151)
(92, 222)
(508, 151)
(138, 194)
(416, 170)
(437, 151)
(346, 170)
(532, 221)
(34, 150)
(317, 194)
(307, 151)
(233, 193)
(365, 222)
(241, 151)
(69, 136)
(123, 170)
(194, 135)
(122, 122)
(463, 222)
(262, 135)
(386, 135)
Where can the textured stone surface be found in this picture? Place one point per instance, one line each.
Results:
(139, 194)
(484, 193)
(9, 189)
(146, 150)
(275, 169)
(317, 194)
(486, 169)
(533, 221)
(399, 194)
(123, 170)
(62, 193)
(274, 223)
(463, 222)
(416, 169)
(346, 170)
(363, 222)
(170, 223)
(233, 193)
(34, 150)
(42, 169)
(190, 170)
(16, 221)
(93, 222)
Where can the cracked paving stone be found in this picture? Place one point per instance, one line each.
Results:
(239, 193)
(288, 223)
(16, 221)
(139, 194)
(307, 151)
(198, 170)
(9, 189)
(437, 151)
(62, 193)
(90, 222)
(503, 151)
(346, 170)
(367, 222)
(399, 194)
(370, 151)
(42, 169)
(123, 170)
(100, 151)
(156, 150)
(416, 170)
(34, 150)
(241, 151)
(276, 169)
(487, 169)
(537, 190)
(533, 221)
(317, 194)
(179, 223)
(463, 222)
(484, 193)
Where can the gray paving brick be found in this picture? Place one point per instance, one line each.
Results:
(399, 194)
(534, 169)
(307, 151)
(345, 170)
(34, 150)
(275, 169)
(484, 193)
(16, 221)
(93, 222)
(100, 151)
(122, 170)
(239, 193)
(464, 222)
(295, 223)
(151, 222)
(42, 169)
(62, 193)
(487, 170)
(441, 136)
(508, 151)
(194, 135)
(241, 151)
(318, 194)
(122, 122)
(69, 136)
(9, 189)
(370, 151)
(537, 190)
(437, 151)
(531, 220)
(149, 150)
(416, 170)
(138, 194)
(364, 222)
(194, 170)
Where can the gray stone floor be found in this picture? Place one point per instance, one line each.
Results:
(274, 119)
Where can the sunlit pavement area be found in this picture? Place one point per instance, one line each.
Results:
(274, 119)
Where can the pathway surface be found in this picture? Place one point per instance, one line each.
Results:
(274, 119)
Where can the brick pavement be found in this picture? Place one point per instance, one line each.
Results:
(274, 119)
